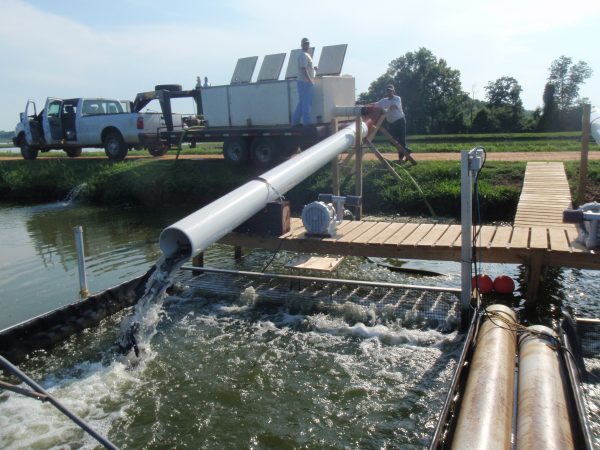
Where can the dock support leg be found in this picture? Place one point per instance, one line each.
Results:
(237, 253)
(198, 261)
(533, 279)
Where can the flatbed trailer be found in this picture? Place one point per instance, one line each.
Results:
(261, 145)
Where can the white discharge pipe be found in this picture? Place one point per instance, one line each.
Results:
(595, 124)
(194, 233)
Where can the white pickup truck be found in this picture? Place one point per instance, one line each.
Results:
(72, 124)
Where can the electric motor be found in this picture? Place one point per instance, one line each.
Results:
(319, 218)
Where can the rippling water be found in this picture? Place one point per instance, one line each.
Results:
(220, 373)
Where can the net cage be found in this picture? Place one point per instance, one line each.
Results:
(588, 333)
(356, 301)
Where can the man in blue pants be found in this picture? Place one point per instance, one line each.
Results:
(306, 85)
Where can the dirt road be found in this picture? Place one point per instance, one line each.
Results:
(509, 156)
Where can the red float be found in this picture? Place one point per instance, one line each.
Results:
(485, 283)
(503, 284)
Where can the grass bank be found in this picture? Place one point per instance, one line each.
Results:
(154, 183)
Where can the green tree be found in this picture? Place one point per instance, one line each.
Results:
(549, 118)
(505, 104)
(567, 78)
(431, 92)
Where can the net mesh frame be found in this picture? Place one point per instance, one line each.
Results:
(419, 306)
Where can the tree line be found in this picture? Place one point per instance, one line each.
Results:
(434, 101)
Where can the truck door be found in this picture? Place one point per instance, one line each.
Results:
(53, 132)
(29, 116)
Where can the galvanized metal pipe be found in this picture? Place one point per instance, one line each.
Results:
(194, 233)
(83, 287)
(486, 412)
(543, 415)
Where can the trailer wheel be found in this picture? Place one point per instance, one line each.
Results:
(168, 87)
(265, 152)
(158, 150)
(114, 147)
(235, 150)
(27, 151)
(73, 152)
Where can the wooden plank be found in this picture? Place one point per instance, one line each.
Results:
(356, 234)
(501, 238)
(401, 234)
(344, 228)
(520, 238)
(319, 263)
(450, 236)
(486, 233)
(539, 238)
(377, 228)
(385, 234)
(418, 234)
(558, 240)
(433, 236)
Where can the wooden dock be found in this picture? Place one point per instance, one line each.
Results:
(537, 239)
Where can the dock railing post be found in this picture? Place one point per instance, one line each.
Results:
(585, 143)
(470, 163)
(83, 287)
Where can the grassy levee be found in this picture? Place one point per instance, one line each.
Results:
(152, 182)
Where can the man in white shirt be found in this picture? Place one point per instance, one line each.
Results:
(305, 82)
(396, 121)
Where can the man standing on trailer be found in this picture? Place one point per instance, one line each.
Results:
(306, 87)
(395, 118)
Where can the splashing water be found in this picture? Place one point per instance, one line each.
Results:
(73, 193)
(138, 329)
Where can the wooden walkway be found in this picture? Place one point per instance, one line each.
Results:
(538, 237)
(544, 197)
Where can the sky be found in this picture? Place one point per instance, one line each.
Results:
(117, 48)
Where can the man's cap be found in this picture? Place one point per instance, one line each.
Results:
(305, 41)
(390, 87)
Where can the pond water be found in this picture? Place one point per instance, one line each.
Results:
(217, 373)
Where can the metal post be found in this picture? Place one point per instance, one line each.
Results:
(359, 166)
(335, 165)
(83, 287)
(470, 162)
(583, 164)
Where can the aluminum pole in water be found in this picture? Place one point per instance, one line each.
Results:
(486, 412)
(542, 413)
(83, 287)
(194, 233)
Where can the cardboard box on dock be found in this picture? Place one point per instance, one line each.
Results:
(272, 220)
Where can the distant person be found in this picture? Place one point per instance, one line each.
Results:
(395, 118)
(306, 85)
(206, 83)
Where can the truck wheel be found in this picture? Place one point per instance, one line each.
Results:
(168, 87)
(235, 150)
(73, 152)
(27, 151)
(158, 150)
(265, 152)
(114, 147)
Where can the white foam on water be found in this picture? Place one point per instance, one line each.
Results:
(92, 395)
(392, 334)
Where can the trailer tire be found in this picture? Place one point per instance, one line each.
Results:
(158, 150)
(235, 150)
(73, 152)
(114, 146)
(265, 152)
(168, 87)
(27, 151)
